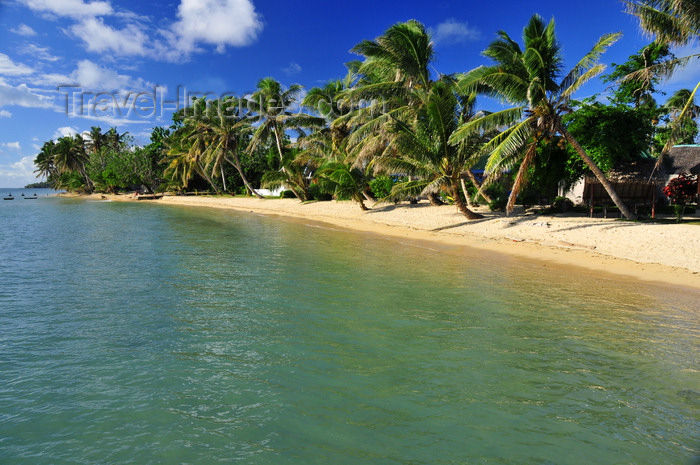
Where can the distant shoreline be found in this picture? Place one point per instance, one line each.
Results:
(652, 252)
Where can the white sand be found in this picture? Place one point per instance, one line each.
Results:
(668, 253)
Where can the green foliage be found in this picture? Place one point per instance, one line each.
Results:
(287, 194)
(381, 186)
(639, 88)
(499, 195)
(551, 166)
(609, 134)
(317, 192)
(561, 205)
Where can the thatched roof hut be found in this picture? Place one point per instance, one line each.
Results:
(683, 159)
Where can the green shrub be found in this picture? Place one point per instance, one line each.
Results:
(561, 205)
(317, 193)
(499, 195)
(381, 186)
(287, 194)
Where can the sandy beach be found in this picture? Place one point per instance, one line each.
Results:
(654, 252)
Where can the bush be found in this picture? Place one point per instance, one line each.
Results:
(287, 194)
(381, 186)
(499, 196)
(316, 193)
(561, 205)
(682, 190)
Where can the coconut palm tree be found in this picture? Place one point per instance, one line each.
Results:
(673, 22)
(426, 153)
(45, 162)
(272, 106)
(533, 79)
(344, 180)
(212, 138)
(71, 156)
(684, 112)
(390, 79)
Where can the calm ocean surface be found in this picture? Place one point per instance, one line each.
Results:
(134, 333)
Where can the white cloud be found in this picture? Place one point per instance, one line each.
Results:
(100, 37)
(70, 8)
(65, 131)
(17, 174)
(22, 96)
(5, 114)
(452, 31)
(11, 145)
(41, 53)
(24, 30)
(293, 68)
(216, 22)
(92, 77)
(220, 23)
(10, 68)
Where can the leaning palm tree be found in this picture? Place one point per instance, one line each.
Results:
(684, 112)
(70, 156)
(213, 137)
(426, 154)
(390, 80)
(272, 106)
(45, 163)
(672, 22)
(532, 79)
(675, 22)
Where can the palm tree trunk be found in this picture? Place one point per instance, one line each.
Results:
(465, 192)
(237, 165)
(473, 179)
(360, 200)
(223, 178)
(278, 142)
(520, 177)
(461, 206)
(435, 199)
(597, 172)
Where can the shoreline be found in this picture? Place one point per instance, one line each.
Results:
(649, 252)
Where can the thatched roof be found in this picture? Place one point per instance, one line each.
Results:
(638, 170)
(683, 159)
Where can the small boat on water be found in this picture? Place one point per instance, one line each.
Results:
(30, 197)
(9, 197)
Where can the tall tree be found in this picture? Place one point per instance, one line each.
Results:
(426, 152)
(532, 78)
(45, 162)
(392, 76)
(71, 156)
(673, 22)
(273, 112)
(213, 137)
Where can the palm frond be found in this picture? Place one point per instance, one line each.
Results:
(590, 60)
(496, 120)
(505, 154)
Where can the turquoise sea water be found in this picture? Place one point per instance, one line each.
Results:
(135, 333)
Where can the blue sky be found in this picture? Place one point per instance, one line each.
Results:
(56, 53)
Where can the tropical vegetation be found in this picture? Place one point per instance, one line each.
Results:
(394, 129)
